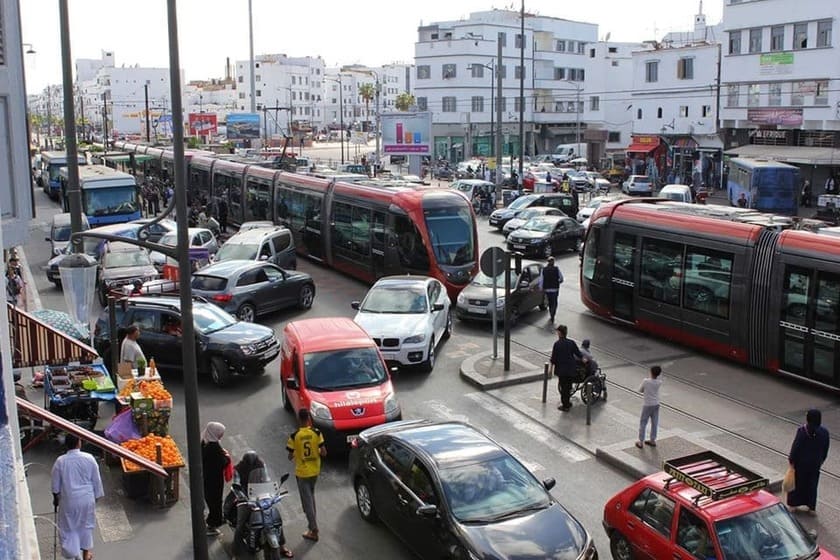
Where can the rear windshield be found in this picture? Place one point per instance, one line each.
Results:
(209, 283)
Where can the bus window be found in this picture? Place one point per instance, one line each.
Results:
(410, 245)
(708, 281)
(661, 271)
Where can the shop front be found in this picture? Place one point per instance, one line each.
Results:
(647, 156)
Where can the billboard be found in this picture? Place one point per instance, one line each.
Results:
(243, 125)
(785, 117)
(202, 124)
(407, 133)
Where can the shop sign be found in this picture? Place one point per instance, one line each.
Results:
(776, 63)
(785, 117)
(769, 134)
(646, 139)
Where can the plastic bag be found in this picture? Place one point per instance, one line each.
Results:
(228, 468)
(789, 481)
(122, 428)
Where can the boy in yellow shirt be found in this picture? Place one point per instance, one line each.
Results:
(306, 447)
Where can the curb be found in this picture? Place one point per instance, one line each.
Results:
(485, 383)
(33, 299)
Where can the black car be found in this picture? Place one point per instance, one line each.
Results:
(565, 202)
(224, 346)
(448, 491)
(546, 235)
(474, 301)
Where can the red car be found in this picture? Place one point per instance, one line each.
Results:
(705, 507)
(333, 368)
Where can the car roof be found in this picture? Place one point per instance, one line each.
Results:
(639, 177)
(254, 235)
(548, 218)
(230, 268)
(542, 209)
(449, 443)
(675, 188)
(64, 219)
(405, 280)
(190, 231)
(328, 333)
(122, 247)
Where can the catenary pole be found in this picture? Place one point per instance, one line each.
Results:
(521, 91)
(499, 100)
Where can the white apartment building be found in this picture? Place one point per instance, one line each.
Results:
(455, 65)
(288, 92)
(216, 96)
(391, 79)
(780, 95)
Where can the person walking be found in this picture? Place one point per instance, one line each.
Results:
(565, 355)
(76, 485)
(154, 199)
(130, 350)
(14, 281)
(223, 215)
(650, 408)
(807, 454)
(306, 448)
(550, 280)
(214, 459)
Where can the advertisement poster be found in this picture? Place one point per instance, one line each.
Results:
(243, 125)
(407, 133)
(203, 124)
(786, 117)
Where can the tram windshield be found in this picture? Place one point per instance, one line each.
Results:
(451, 234)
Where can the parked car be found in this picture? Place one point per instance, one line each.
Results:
(256, 224)
(224, 346)
(546, 235)
(60, 232)
(597, 181)
(527, 214)
(249, 289)
(680, 193)
(637, 184)
(159, 229)
(274, 245)
(564, 202)
(595, 203)
(199, 237)
(91, 246)
(704, 506)
(121, 264)
(448, 491)
(407, 317)
(332, 367)
(475, 301)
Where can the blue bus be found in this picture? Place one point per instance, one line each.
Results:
(769, 186)
(108, 196)
(51, 164)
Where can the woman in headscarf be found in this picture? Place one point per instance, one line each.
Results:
(807, 454)
(214, 459)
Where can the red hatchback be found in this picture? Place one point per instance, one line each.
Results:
(705, 507)
(333, 368)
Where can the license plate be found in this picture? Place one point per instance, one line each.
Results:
(519, 247)
(389, 355)
(477, 310)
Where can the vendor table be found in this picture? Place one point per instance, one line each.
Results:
(74, 392)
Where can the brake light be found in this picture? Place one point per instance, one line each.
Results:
(223, 298)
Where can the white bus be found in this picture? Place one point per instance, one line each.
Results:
(108, 196)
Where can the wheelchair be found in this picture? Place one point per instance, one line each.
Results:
(592, 384)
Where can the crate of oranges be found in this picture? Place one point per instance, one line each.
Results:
(147, 447)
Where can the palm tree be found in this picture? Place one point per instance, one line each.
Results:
(404, 101)
(367, 92)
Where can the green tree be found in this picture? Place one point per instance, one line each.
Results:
(367, 92)
(404, 101)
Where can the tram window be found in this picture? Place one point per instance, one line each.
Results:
(625, 247)
(795, 296)
(257, 197)
(281, 204)
(360, 231)
(342, 225)
(312, 205)
(661, 271)
(410, 245)
(378, 230)
(708, 281)
(590, 253)
(828, 292)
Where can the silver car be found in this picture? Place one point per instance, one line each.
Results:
(199, 237)
(638, 184)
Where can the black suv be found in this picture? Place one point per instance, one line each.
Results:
(224, 345)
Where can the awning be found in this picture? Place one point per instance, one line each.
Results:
(789, 154)
(684, 142)
(708, 142)
(641, 148)
(36, 343)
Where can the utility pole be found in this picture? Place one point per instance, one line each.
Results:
(521, 91)
(577, 127)
(251, 45)
(105, 120)
(49, 117)
(73, 192)
(498, 139)
(148, 123)
(378, 125)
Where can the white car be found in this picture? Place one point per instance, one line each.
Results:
(199, 237)
(680, 193)
(527, 214)
(586, 212)
(407, 317)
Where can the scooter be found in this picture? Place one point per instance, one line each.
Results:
(264, 528)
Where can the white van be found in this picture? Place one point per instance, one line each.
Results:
(680, 193)
(565, 152)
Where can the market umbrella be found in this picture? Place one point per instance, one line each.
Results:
(63, 322)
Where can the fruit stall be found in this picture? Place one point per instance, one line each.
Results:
(74, 392)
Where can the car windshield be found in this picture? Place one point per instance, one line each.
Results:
(122, 259)
(492, 490)
(170, 239)
(395, 299)
(451, 234)
(771, 534)
(482, 279)
(672, 195)
(110, 201)
(332, 370)
(237, 251)
(61, 233)
(538, 224)
(528, 213)
(521, 202)
(209, 318)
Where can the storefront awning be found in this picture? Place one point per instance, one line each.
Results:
(789, 154)
(684, 142)
(36, 343)
(641, 148)
(708, 142)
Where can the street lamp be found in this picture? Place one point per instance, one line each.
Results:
(492, 68)
(78, 280)
(30, 50)
(577, 111)
(340, 112)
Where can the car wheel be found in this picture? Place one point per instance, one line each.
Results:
(247, 313)
(306, 297)
(447, 332)
(547, 252)
(620, 547)
(284, 397)
(429, 364)
(364, 501)
(219, 371)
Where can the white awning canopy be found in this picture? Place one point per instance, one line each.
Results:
(789, 154)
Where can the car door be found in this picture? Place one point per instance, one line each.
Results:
(557, 236)
(282, 293)
(151, 339)
(648, 525)
(170, 343)
(436, 318)
(390, 462)
(693, 539)
(536, 296)
(263, 293)
(428, 537)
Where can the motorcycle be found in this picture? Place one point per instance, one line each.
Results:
(264, 528)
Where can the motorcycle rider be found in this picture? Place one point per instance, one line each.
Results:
(236, 504)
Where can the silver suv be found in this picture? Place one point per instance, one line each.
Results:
(271, 244)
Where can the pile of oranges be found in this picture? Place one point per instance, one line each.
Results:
(151, 389)
(146, 447)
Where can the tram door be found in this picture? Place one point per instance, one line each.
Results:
(810, 333)
(623, 276)
(378, 237)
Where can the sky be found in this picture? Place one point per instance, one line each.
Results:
(369, 32)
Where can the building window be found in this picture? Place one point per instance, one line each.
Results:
(824, 33)
(614, 62)
(591, 53)
(239, 79)
(503, 71)
(732, 94)
(424, 72)
(449, 104)
(683, 111)
(423, 103)
(581, 47)
(503, 39)
(477, 70)
(594, 103)
(501, 104)
(735, 42)
(560, 45)
(659, 112)
(613, 137)
(800, 36)
(821, 93)
(774, 92)
(571, 46)
(707, 111)
(777, 38)
(518, 73)
(753, 95)
(516, 103)
(477, 104)
(257, 78)
(652, 71)
(448, 71)
(259, 93)
(518, 41)
(241, 95)
(755, 40)
(797, 94)
(559, 73)
(685, 69)
(639, 114)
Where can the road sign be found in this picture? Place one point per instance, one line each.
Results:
(497, 255)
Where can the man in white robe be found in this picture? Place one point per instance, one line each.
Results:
(76, 486)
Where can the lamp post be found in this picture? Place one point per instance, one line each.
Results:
(378, 121)
(492, 68)
(577, 112)
(340, 113)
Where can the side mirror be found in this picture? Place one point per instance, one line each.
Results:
(812, 533)
(355, 304)
(284, 478)
(437, 307)
(292, 383)
(427, 511)
(549, 483)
